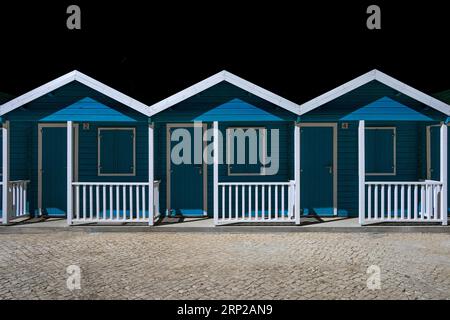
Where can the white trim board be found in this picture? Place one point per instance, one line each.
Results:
(380, 77)
(230, 78)
(65, 79)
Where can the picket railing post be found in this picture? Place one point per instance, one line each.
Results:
(444, 173)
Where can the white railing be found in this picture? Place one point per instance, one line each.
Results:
(256, 202)
(113, 201)
(18, 197)
(404, 201)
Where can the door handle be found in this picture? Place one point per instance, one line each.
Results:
(330, 169)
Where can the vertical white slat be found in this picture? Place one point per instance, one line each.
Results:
(263, 201)
(422, 201)
(369, 202)
(409, 203)
(111, 209)
(25, 198)
(13, 197)
(256, 202)
(84, 202)
(124, 201)
(429, 203)
(282, 201)
(143, 202)
(444, 173)
(132, 202)
(223, 201)
(395, 201)
(250, 202)
(402, 202)
(157, 209)
(296, 192)
(361, 171)
(138, 203)
(389, 199)
(382, 202)
(69, 171)
(229, 202)
(434, 189)
(117, 202)
(216, 172)
(375, 197)
(104, 201)
(77, 202)
(276, 202)
(91, 203)
(289, 201)
(243, 202)
(151, 178)
(416, 204)
(5, 172)
(269, 195)
(236, 201)
(97, 202)
(20, 190)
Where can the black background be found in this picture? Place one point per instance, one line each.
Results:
(151, 49)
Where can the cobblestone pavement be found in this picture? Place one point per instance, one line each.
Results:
(225, 265)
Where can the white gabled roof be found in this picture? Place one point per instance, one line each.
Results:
(230, 78)
(65, 79)
(383, 78)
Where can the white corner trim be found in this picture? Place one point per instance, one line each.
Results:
(67, 78)
(217, 78)
(381, 77)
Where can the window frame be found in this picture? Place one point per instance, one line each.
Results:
(228, 132)
(99, 173)
(394, 152)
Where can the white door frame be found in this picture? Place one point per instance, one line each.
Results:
(428, 147)
(75, 155)
(335, 156)
(168, 163)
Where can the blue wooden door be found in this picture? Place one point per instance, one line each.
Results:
(54, 171)
(316, 171)
(434, 173)
(186, 184)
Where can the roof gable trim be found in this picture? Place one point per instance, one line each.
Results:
(65, 79)
(381, 77)
(217, 78)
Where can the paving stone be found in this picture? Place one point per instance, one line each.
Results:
(228, 266)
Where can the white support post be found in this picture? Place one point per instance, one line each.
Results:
(69, 171)
(297, 173)
(5, 172)
(444, 173)
(151, 199)
(216, 172)
(361, 171)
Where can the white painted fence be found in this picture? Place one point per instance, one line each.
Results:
(19, 198)
(404, 201)
(256, 202)
(113, 201)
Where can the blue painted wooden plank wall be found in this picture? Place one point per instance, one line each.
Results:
(411, 160)
(285, 162)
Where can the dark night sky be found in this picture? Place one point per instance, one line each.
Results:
(151, 51)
